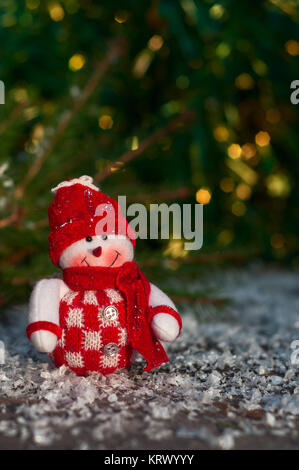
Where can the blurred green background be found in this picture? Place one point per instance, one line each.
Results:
(187, 101)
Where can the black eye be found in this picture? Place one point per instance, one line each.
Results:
(104, 237)
(88, 239)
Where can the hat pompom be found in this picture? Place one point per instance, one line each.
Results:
(84, 180)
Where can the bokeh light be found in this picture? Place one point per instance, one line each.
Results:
(225, 237)
(292, 47)
(227, 185)
(273, 116)
(221, 133)
(121, 17)
(56, 12)
(277, 240)
(105, 122)
(155, 42)
(248, 151)
(278, 185)
(244, 81)
(234, 151)
(76, 62)
(243, 191)
(238, 208)
(262, 138)
(217, 11)
(203, 196)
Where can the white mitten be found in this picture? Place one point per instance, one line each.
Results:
(165, 327)
(44, 341)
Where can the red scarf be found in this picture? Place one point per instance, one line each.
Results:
(131, 282)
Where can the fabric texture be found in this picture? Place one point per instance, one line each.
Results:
(135, 288)
(103, 318)
(43, 325)
(76, 213)
(91, 340)
(165, 309)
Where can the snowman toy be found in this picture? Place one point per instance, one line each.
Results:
(104, 310)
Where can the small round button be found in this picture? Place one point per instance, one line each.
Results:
(110, 312)
(111, 349)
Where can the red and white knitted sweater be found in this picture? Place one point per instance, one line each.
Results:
(103, 318)
(94, 334)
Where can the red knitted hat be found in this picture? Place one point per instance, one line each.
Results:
(79, 210)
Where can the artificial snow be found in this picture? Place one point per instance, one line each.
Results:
(230, 383)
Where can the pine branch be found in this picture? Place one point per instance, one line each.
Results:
(115, 50)
(13, 115)
(144, 145)
(16, 215)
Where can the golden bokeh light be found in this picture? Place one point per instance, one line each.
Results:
(248, 151)
(216, 11)
(203, 196)
(227, 185)
(260, 67)
(121, 17)
(244, 81)
(155, 42)
(31, 112)
(292, 47)
(277, 241)
(245, 172)
(175, 249)
(142, 63)
(116, 166)
(262, 138)
(20, 94)
(223, 50)
(105, 122)
(221, 133)
(273, 116)
(225, 237)
(76, 62)
(238, 208)
(278, 185)
(38, 132)
(135, 143)
(234, 151)
(56, 12)
(243, 191)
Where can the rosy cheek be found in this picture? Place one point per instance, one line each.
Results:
(120, 260)
(109, 256)
(77, 260)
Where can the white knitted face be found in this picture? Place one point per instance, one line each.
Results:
(100, 250)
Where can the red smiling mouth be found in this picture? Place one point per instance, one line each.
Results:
(84, 261)
(98, 251)
(117, 255)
